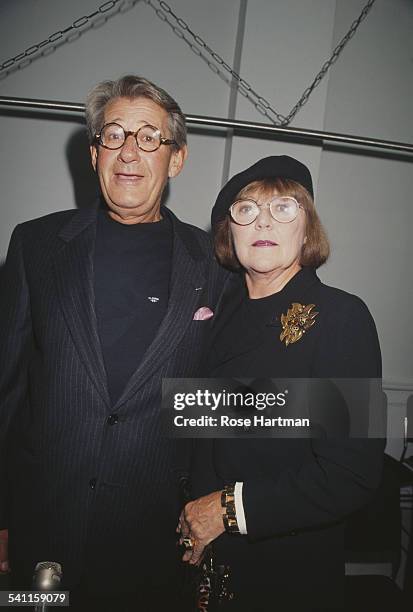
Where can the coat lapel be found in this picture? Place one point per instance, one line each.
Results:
(187, 277)
(74, 276)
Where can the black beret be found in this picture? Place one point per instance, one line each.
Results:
(276, 166)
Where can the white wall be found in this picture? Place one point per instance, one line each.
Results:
(363, 197)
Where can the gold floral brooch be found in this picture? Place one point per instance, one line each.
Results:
(295, 323)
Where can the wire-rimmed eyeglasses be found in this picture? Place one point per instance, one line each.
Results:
(148, 138)
(283, 209)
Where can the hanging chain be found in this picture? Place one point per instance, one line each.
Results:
(327, 65)
(53, 38)
(260, 103)
(179, 26)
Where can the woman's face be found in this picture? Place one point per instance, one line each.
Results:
(266, 245)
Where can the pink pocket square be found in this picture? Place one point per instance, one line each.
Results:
(202, 314)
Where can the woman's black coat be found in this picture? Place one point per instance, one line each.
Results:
(296, 492)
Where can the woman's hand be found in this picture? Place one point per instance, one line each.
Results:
(201, 520)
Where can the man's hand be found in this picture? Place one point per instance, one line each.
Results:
(4, 551)
(201, 520)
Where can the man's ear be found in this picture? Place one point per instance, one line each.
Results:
(93, 156)
(176, 163)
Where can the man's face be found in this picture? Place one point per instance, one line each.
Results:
(132, 180)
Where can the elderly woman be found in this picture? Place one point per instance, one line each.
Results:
(274, 508)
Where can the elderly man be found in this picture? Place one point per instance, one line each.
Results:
(97, 306)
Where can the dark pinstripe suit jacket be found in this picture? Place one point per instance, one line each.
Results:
(84, 489)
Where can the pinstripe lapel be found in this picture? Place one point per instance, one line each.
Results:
(188, 273)
(74, 276)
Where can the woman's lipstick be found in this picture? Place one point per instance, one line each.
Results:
(264, 243)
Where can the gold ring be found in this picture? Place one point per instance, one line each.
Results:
(188, 543)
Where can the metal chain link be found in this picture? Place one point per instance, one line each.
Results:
(163, 10)
(260, 103)
(53, 38)
(327, 65)
(182, 36)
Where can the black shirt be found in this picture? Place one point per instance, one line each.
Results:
(131, 274)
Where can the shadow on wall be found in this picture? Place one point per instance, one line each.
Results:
(85, 183)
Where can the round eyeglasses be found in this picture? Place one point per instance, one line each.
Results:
(148, 138)
(283, 209)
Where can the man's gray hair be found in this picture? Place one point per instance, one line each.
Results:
(131, 86)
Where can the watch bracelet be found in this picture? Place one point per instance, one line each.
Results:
(228, 502)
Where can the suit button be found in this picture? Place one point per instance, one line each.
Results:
(92, 483)
(113, 419)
